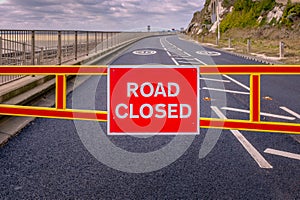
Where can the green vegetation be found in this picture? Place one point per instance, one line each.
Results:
(291, 12)
(246, 13)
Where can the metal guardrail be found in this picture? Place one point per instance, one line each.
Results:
(28, 47)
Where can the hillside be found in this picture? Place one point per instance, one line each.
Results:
(252, 18)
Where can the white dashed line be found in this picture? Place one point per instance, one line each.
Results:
(215, 80)
(260, 160)
(283, 153)
(227, 91)
(237, 82)
(290, 112)
(262, 113)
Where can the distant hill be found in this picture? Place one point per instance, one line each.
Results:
(261, 18)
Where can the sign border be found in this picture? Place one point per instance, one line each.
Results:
(149, 67)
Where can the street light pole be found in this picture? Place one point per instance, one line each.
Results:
(218, 19)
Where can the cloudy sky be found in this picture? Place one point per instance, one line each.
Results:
(96, 14)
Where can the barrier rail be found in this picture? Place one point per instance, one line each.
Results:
(60, 111)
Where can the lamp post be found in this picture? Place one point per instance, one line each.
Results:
(218, 19)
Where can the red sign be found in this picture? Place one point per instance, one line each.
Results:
(153, 100)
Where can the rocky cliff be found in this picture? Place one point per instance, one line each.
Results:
(257, 15)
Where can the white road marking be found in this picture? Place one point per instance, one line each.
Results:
(200, 61)
(282, 153)
(169, 53)
(180, 58)
(260, 160)
(215, 80)
(237, 82)
(227, 91)
(187, 54)
(175, 61)
(179, 49)
(290, 112)
(208, 53)
(262, 113)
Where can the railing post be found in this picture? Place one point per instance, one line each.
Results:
(202, 39)
(59, 50)
(102, 41)
(96, 42)
(217, 41)
(33, 47)
(281, 49)
(42, 55)
(0, 50)
(87, 43)
(76, 45)
(229, 43)
(248, 46)
(107, 40)
(24, 53)
(254, 97)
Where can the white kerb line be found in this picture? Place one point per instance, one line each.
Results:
(260, 160)
(290, 112)
(282, 153)
(237, 82)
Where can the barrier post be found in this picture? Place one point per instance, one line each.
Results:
(60, 92)
(254, 98)
(248, 46)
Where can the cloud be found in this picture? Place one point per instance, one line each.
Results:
(97, 15)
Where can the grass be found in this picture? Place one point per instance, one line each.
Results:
(266, 46)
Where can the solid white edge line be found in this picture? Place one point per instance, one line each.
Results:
(282, 153)
(260, 160)
(227, 91)
(215, 80)
(169, 54)
(262, 113)
(237, 82)
(290, 111)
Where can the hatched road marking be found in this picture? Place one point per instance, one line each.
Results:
(227, 91)
(283, 153)
(290, 112)
(260, 160)
(262, 113)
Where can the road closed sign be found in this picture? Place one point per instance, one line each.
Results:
(150, 100)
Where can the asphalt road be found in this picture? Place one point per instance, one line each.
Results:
(50, 157)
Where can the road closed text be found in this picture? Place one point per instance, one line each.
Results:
(146, 111)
